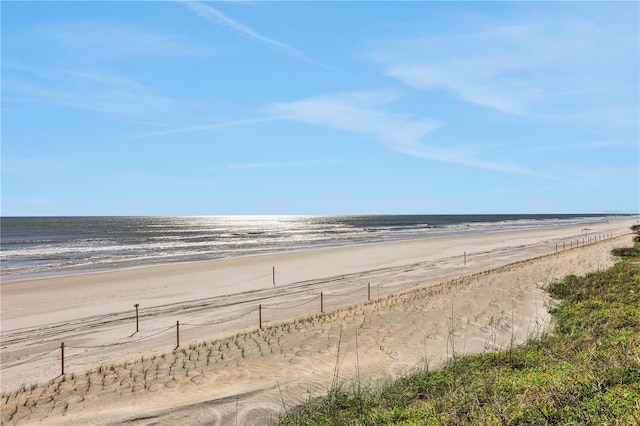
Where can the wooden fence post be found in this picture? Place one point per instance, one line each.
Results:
(177, 334)
(321, 303)
(62, 358)
(136, 306)
(260, 316)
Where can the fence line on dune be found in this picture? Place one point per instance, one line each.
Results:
(586, 239)
(275, 306)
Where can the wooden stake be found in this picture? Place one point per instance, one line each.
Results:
(62, 358)
(136, 306)
(177, 334)
(260, 316)
(369, 291)
(321, 303)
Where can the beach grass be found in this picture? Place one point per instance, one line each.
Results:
(584, 370)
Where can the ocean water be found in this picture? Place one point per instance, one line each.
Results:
(33, 246)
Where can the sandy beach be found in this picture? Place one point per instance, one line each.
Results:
(244, 340)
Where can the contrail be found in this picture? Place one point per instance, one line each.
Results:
(214, 15)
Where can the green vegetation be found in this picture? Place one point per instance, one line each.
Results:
(586, 370)
(628, 253)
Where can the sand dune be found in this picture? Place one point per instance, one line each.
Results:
(428, 299)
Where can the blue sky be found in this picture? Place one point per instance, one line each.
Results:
(198, 108)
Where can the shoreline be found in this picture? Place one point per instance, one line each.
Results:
(93, 270)
(343, 259)
(90, 271)
(186, 263)
(95, 311)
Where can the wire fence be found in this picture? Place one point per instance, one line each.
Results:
(287, 305)
(278, 306)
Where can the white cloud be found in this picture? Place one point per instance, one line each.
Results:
(357, 112)
(488, 68)
(517, 67)
(365, 113)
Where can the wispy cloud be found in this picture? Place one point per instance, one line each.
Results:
(278, 165)
(365, 113)
(80, 65)
(525, 67)
(368, 113)
(480, 67)
(103, 39)
(213, 126)
(91, 90)
(214, 15)
(359, 112)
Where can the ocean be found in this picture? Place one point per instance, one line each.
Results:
(38, 246)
